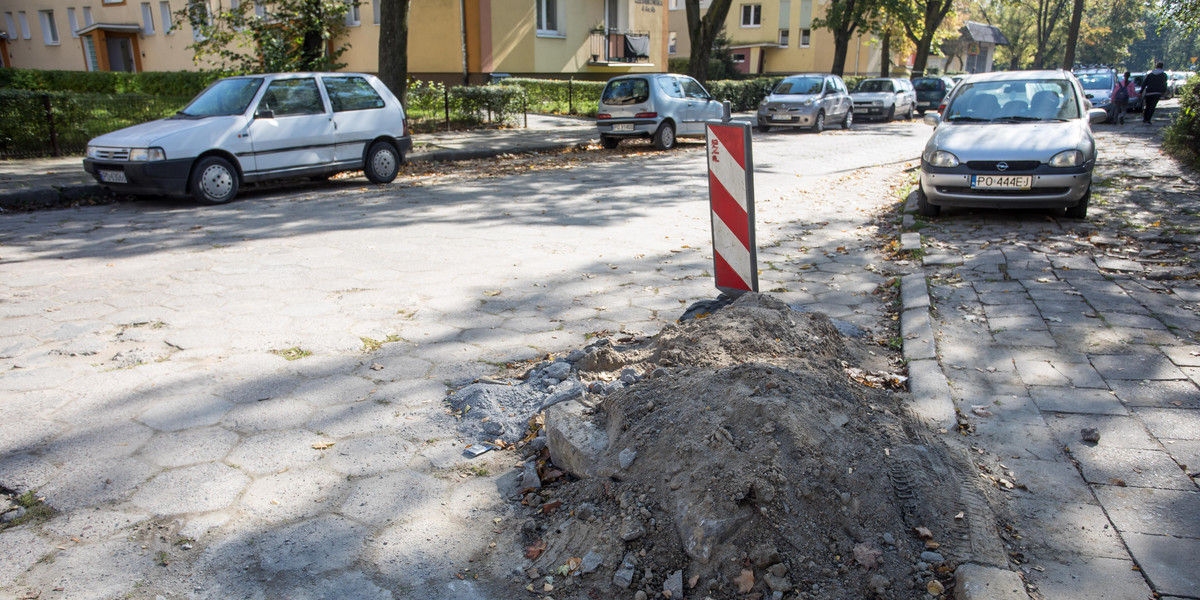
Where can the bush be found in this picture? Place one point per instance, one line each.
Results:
(159, 83)
(556, 96)
(742, 94)
(1182, 137)
(431, 105)
(77, 118)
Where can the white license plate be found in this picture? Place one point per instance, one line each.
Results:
(861, 110)
(113, 177)
(1001, 182)
(780, 118)
(623, 127)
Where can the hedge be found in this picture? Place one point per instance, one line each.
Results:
(556, 96)
(433, 106)
(25, 128)
(1182, 136)
(155, 83)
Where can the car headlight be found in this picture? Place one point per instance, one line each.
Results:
(93, 152)
(941, 158)
(1100, 101)
(1067, 158)
(146, 154)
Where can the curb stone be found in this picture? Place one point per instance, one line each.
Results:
(977, 582)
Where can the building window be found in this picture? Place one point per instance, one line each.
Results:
(87, 16)
(49, 27)
(784, 34)
(751, 15)
(672, 40)
(352, 14)
(547, 17)
(11, 26)
(147, 19)
(260, 10)
(805, 36)
(200, 15)
(739, 58)
(25, 34)
(674, 5)
(112, 2)
(164, 13)
(375, 6)
(72, 22)
(89, 53)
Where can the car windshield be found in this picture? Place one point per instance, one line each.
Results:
(875, 85)
(1009, 101)
(626, 91)
(1095, 81)
(800, 85)
(223, 98)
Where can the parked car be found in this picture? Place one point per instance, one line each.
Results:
(659, 106)
(1176, 80)
(810, 100)
(1098, 84)
(884, 99)
(1014, 139)
(1137, 103)
(931, 91)
(258, 127)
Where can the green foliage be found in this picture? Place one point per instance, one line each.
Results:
(293, 35)
(1182, 137)
(678, 65)
(431, 105)
(1183, 13)
(744, 94)
(555, 96)
(77, 118)
(158, 83)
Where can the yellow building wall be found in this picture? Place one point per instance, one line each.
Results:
(434, 38)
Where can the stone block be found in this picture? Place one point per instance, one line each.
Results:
(574, 439)
(1074, 400)
(1136, 367)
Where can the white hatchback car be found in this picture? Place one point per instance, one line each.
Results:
(258, 127)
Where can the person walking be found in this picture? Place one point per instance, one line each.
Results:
(1122, 91)
(1153, 88)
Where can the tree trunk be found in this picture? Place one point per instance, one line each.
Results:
(1073, 35)
(312, 46)
(935, 12)
(702, 31)
(841, 48)
(393, 46)
(885, 54)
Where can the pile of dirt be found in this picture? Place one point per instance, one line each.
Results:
(744, 453)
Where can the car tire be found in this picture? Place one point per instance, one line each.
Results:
(911, 114)
(890, 115)
(1079, 211)
(921, 112)
(764, 128)
(664, 138)
(819, 123)
(214, 181)
(382, 163)
(609, 142)
(848, 120)
(924, 208)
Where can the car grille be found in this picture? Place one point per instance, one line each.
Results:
(1037, 191)
(112, 153)
(1013, 165)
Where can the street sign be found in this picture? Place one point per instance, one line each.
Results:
(731, 200)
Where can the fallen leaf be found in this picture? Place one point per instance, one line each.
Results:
(535, 549)
(1117, 482)
(573, 564)
(959, 516)
(867, 555)
(745, 581)
(692, 581)
(492, 293)
(549, 507)
(322, 445)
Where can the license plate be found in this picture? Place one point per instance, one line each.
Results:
(113, 177)
(861, 110)
(623, 127)
(1001, 182)
(780, 118)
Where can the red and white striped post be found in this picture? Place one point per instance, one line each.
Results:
(731, 198)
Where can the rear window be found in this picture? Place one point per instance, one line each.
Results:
(351, 93)
(929, 85)
(1096, 81)
(626, 91)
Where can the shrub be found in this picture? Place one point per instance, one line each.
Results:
(77, 118)
(160, 83)
(1182, 136)
(557, 96)
(742, 94)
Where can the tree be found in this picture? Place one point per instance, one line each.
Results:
(703, 32)
(844, 18)
(1046, 14)
(1184, 13)
(921, 20)
(393, 46)
(1073, 35)
(1109, 31)
(1014, 22)
(268, 36)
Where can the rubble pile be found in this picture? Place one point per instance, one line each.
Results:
(737, 454)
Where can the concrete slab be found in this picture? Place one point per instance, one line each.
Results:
(1177, 423)
(1076, 577)
(1169, 562)
(1116, 431)
(1136, 367)
(1138, 468)
(977, 582)
(202, 488)
(1152, 511)
(1049, 481)
(1066, 527)
(1075, 400)
(1157, 394)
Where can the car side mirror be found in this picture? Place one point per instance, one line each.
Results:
(264, 114)
(1097, 115)
(932, 119)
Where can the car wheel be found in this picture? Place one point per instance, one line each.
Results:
(848, 120)
(908, 116)
(924, 208)
(921, 112)
(214, 181)
(890, 115)
(764, 128)
(383, 163)
(819, 123)
(609, 142)
(1079, 211)
(664, 138)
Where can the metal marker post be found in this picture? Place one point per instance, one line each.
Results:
(731, 200)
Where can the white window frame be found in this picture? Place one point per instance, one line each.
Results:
(754, 15)
(785, 37)
(147, 19)
(87, 16)
(805, 38)
(24, 21)
(11, 25)
(545, 29)
(49, 28)
(674, 5)
(72, 21)
(672, 42)
(106, 2)
(738, 58)
(353, 18)
(375, 9)
(91, 61)
(164, 14)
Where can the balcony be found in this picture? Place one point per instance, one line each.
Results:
(616, 46)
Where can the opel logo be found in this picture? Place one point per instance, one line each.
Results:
(1001, 166)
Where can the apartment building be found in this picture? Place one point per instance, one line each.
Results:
(776, 37)
(448, 39)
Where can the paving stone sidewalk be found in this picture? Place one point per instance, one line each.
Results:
(1037, 329)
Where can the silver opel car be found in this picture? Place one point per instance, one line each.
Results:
(812, 100)
(659, 106)
(1016, 139)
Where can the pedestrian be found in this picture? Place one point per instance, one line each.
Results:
(1122, 91)
(1153, 88)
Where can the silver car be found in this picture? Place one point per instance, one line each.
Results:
(660, 106)
(1016, 139)
(1098, 84)
(884, 99)
(811, 100)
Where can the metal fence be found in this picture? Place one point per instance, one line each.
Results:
(35, 124)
